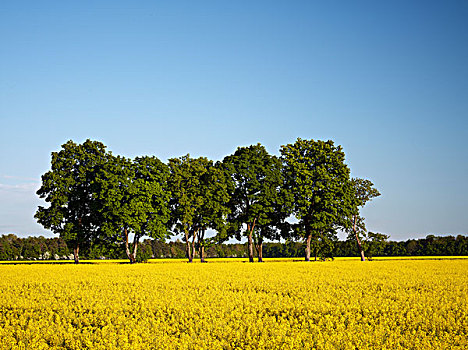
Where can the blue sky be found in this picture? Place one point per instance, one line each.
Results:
(386, 80)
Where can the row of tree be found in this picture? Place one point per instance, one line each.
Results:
(304, 195)
(40, 248)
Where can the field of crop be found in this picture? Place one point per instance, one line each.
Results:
(406, 304)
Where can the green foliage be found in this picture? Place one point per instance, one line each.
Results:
(318, 180)
(375, 244)
(255, 185)
(257, 198)
(187, 191)
(363, 191)
(199, 196)
(135, 199)
(71, 190)
(98, 201)
(135, 196)
(144, 253)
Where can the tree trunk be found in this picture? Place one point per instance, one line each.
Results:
(201, 245)
(250, 228)
(363, 258)
(188, 251)
(202, 254)
(136, 240)
(260, 251)
(193, 245)
(259, 248)
(250, 247)
(307, 250)
(76, 250)
(127, 247)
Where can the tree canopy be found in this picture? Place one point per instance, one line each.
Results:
(71, 190)
(256, 201)
(199, 193)
(135, 199)
(363, 191)
(97, 198)
(318, 180)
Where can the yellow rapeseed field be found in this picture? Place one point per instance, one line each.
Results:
(401, 304)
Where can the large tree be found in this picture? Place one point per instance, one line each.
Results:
(318, 179)
(199, 193)
(135, 200)
(71, 191)
(212, 211)
(256, 200)
(363, 191)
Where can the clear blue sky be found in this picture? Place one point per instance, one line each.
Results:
(387, 80)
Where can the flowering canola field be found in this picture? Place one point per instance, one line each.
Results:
(414, 304)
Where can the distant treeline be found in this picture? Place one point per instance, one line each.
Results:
(41, 248)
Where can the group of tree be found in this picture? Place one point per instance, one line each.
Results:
(375, 245)
(304, 195)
